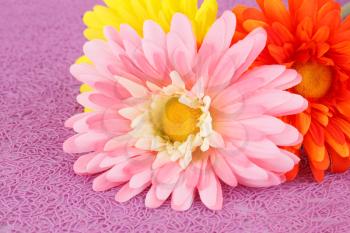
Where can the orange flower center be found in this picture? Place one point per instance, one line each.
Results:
(316, 80)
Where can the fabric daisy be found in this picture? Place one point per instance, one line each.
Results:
(311, 38)
(136, 12)
(174, 119)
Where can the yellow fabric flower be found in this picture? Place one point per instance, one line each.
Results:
(136, 12)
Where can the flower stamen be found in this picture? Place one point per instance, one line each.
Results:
(316, 80)
(179, 120)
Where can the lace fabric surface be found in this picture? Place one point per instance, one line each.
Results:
(39, 191)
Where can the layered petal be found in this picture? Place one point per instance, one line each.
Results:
(174, 117)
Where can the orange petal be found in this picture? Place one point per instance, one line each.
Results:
(239, 11)
(342, 47)
(277, 11)
(321, 35)
(344, 108)
(320, 118)
(327, 7)
(331, 19)
(336, 139)
(315, 152)
(307, 9)
(338, 163)
(317, 133)
(277, 53)
(302, 122)
(341, 36)
(321, 107)
(251, 24)
(326, 61)
(343, 125)
(322, 165)
(292, 174)
(283, 32)
(317, 174)
(322, 49)
(294, 5)
(238, 36)
(342, 75)
(253, 13)
(304, 29)
(303, 56)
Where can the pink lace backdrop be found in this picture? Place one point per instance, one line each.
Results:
(39, 191)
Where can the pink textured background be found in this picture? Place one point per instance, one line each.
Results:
(39, 192)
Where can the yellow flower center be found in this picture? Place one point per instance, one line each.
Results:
(178, 121)
(316, 80)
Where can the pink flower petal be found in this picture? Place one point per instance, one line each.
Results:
(151, 199)
(289, 137)
(81, 163)
(85, 142)
(219, 36)
(258, 38)
(264, 123)
(181, 44)
(185, 205)
(223, 170)
(210, 191)
(140, 179)
(117, 173)
(99, 53)
(154, 46)
(113, 35)
(135, 89)
(101, 183)
(182, 192)
(288, 79)
(168, 173)
(278, 164)
(84, 100)
(127, 192)
(243, 168)
(69, 123)
(88, 74)
(207, 187)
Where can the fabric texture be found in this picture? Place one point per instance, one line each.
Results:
(38, 189)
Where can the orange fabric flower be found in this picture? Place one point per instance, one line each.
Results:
(310, 37)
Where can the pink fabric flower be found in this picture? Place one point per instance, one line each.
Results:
(177, 118)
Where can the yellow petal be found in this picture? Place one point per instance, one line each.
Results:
(204, 18)
(140, 10)
(135, 12)
(91, 20)
(169, 7)
(85, 88)
(91, 34)
(189, 7)
(125, 13)
(107, 16)
(152, 7)
(83, 59)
